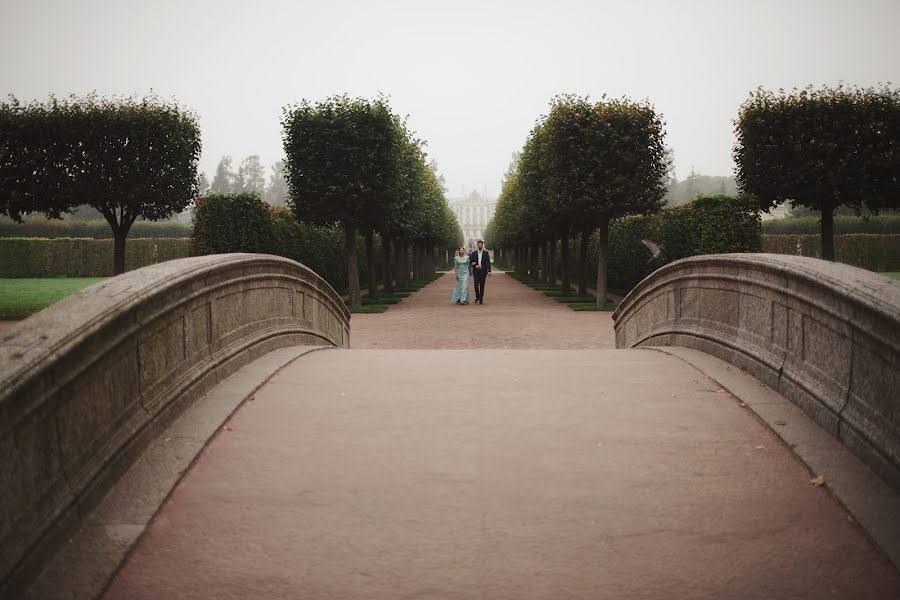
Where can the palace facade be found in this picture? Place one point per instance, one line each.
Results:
(473, 213)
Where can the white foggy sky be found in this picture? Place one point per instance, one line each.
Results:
(472, 76)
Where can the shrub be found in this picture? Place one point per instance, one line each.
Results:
(232, 223)
(321, 248)
(81, 257)
(243, 223)
(708, 225)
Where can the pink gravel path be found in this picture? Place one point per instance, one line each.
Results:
(513, 316)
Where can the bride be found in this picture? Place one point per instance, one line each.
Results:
(460, 293)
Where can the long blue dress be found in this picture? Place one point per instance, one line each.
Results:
(461, 289)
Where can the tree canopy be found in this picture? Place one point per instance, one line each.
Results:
(821, 148)
(127, 158)
(583, 165)
(351, 160)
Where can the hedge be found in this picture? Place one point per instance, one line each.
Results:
(842, 224)
(707, 225)
(321, 248)
(81, 257)
(244, 223)
(99, 229)
(865, 250)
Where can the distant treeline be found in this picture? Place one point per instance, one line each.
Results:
(682, 192)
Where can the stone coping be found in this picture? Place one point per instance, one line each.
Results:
(86, 383)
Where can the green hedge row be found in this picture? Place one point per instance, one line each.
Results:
(842, 224)
(708, 225)
(244, 223)
(81, 257)
(868, 251)
(56, 228)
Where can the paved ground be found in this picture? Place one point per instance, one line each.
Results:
(512, 316)
(498, 474)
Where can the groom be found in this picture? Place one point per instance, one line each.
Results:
(481, 268)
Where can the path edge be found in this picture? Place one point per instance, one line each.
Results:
(873, 504)
(90, 558)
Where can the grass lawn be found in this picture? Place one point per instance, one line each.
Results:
(576, 299)
(371, 308)
(894, 275)
(20, 298)
(381, 300)
(580, 307)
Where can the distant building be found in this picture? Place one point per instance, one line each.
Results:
(473, 213)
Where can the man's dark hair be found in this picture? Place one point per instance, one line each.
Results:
(480, 242)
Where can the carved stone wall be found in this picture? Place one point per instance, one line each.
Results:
(86, 383)
(825, 335)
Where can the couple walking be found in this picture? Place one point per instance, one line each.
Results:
(477, 264)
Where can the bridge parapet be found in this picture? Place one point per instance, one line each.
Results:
(86, 383)
(824, 335)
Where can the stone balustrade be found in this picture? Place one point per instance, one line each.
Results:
(824, 335)
(88, 382)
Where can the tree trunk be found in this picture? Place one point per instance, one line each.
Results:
(582, 263)
(551, 269)
(120, 223)
(422, 262)
(828, 230)
(602, 259)
(545, 264)
(564, 256)
(404, 262)
(370, 263)
(352, 264)
(542, 258)
(388, 264)
(398, 263)
(399, 270)
(118, 251)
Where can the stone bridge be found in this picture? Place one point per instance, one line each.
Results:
(171, 433)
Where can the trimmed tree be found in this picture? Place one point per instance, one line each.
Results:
(603, 161)
(127, 158)
(341, 162)
(821, 148)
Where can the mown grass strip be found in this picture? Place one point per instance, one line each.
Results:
(381, 300)
(21, 298)
(371, 308)
(576, 299)
(589, 307)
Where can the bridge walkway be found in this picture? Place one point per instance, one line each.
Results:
(498, 451)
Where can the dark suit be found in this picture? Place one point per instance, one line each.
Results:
(481, 274)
